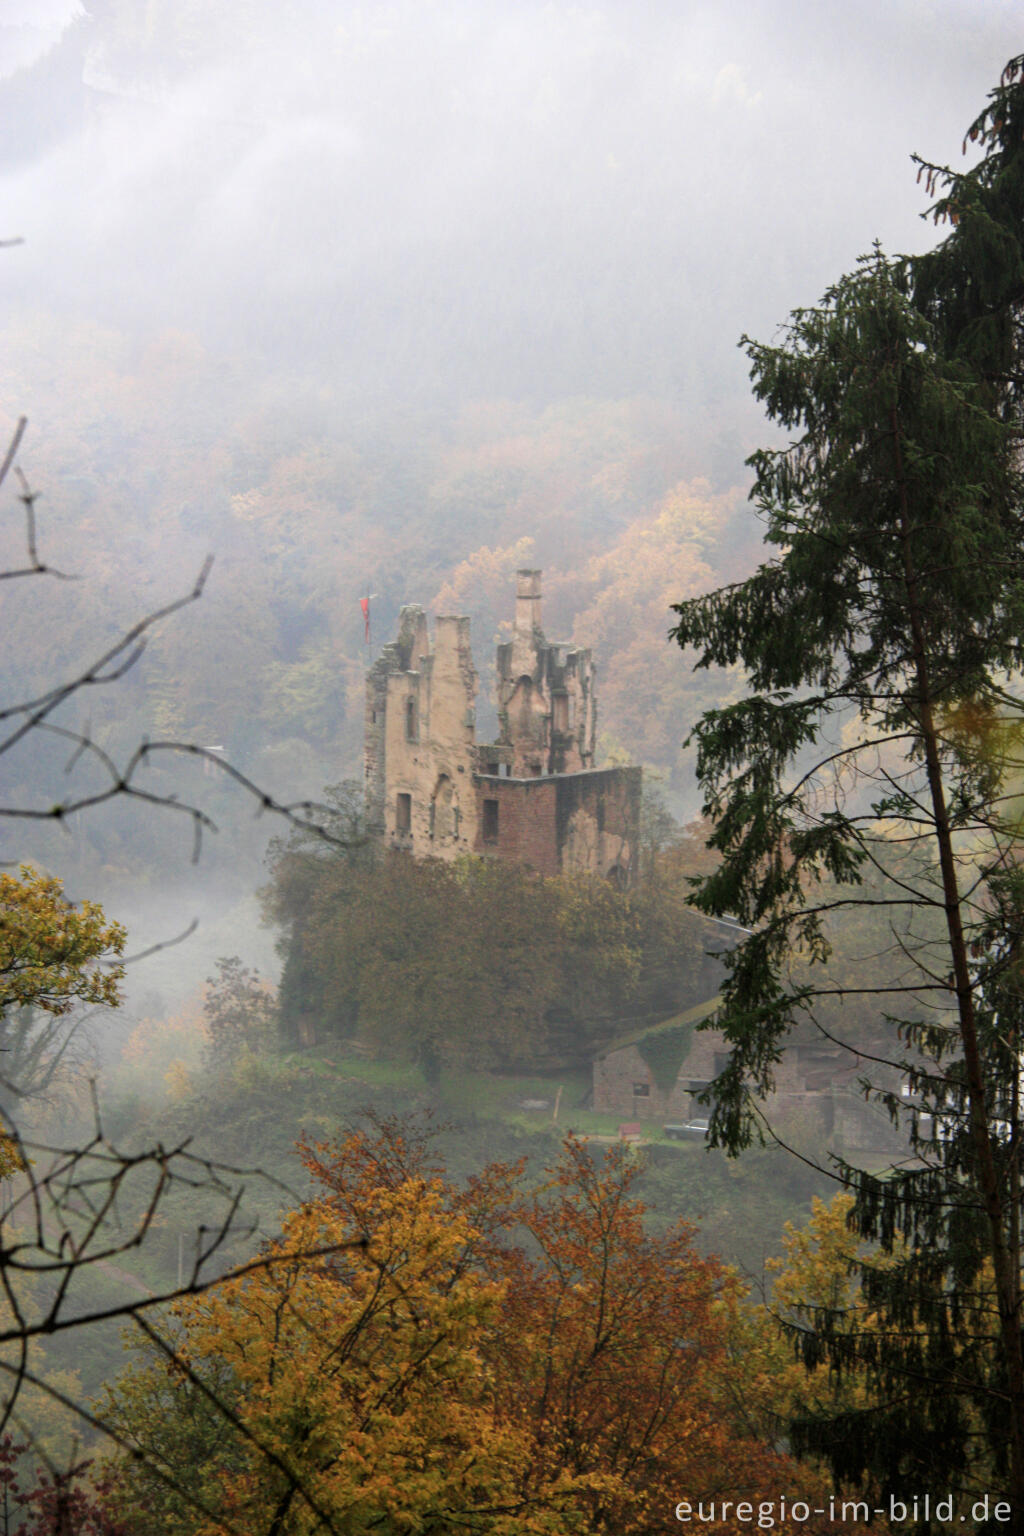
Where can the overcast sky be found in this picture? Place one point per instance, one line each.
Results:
(452, 200)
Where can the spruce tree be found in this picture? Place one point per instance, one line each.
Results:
(883, 642)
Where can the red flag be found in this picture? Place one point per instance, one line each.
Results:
(364, 603)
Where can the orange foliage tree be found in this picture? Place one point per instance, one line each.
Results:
(615, 1350)
(491, 1357)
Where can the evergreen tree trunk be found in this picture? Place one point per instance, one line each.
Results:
(1006, 1255)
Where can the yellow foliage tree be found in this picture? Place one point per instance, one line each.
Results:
(820, 1274)
(359, 1390)
(623, 609)
(53, 954)
(817, 1269)
(428, 1375)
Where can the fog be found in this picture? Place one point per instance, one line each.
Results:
(435, 202)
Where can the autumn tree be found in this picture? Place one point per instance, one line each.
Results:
(882, 644)
(54, 955)
(438, 1376)
(614, 1346)
(359, 1383)
(55, 1504)
(818, 1274)
(239, 1011)
(677, 548)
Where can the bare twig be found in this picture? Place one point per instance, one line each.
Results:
(82, 1209)
(13, 446)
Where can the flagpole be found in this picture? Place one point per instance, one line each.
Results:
(364, 603)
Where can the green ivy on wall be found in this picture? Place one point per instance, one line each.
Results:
(664, 1052)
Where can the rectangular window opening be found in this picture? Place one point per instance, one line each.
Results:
(403, 813)
(490, 821)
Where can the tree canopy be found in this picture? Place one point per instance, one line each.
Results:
(475, 961)
(54, 954)
(437, 1374)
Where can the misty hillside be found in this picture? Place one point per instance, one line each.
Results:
(388, 303)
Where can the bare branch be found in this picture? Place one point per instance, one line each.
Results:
(15, 443)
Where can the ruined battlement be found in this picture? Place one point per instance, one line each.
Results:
(533, 796)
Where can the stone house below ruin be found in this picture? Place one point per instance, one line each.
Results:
(533, 796)
(657, 1074)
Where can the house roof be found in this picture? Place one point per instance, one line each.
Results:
(691, 1016)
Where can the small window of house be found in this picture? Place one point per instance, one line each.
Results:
(490, 821)
(641, 1090)
(403, 813)
(411, 733)
(560, 711)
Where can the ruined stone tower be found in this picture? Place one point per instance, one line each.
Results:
(532, 796)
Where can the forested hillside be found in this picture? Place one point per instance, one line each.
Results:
(148, 459)
(389, 325)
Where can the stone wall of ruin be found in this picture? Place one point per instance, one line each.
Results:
(532, 796)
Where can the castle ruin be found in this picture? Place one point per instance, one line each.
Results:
(533, 796)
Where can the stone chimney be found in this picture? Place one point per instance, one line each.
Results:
(527, 602)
